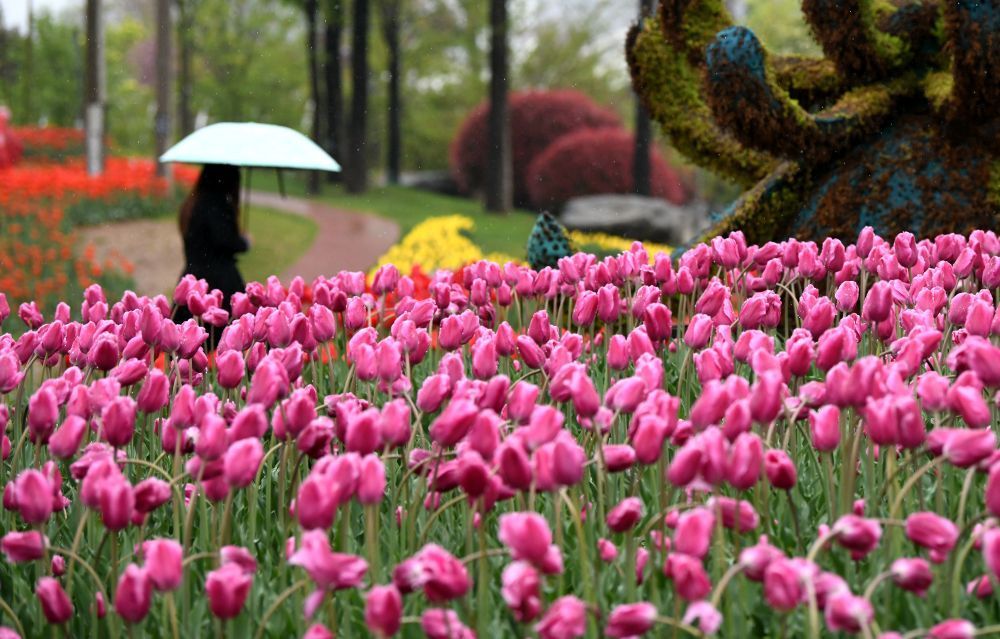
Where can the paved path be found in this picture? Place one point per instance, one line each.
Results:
(345, 240)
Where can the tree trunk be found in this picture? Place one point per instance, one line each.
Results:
(185, 24)
(162, 122)
(357, 169)
(390, 31)
(499, 182)
(334, 78)
(312, 8)
(641, 170)
(95, 89)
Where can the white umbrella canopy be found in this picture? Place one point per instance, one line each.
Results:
(251, 144)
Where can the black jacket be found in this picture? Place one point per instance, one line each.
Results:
(211, 243)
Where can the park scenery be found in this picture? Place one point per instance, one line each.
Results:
(675, 319)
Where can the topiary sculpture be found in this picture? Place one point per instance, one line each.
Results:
(897, 127)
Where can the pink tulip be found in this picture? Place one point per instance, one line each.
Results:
(371, 480)
(227, 588)
(859, 535)
(163, 559)
(630, 620)
(527, 535)
(329, 570)
(150, 494)
(625, 515)
(952, 629)
(441, 576)
(914, 575)
(783, 589)
(384, 610)
(454, 422)
(65, 441)
(20, 547)
(521, 591)
(824, 425)
(56, 606)
(438, 623)
(780, 469)
(991, 551)
(43, 411)
(933, 532)
(848, 613)
(693, 535)
(705, 614)
(566, 618)
(755, 559)
(118, 418)
(116, 503)
(33, 496)
(318, 631)
(745, 460)
(242, 461)
(134, 594)
(688, 574)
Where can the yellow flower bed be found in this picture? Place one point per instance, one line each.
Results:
(613, 243)
(439, 243)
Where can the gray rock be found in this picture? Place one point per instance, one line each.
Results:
(636, 217)
(436, 181)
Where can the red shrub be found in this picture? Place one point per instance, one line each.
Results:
(596, 161)
(537, 119)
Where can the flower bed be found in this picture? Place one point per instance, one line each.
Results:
(51, 143)
(753, 441)
(41, 204)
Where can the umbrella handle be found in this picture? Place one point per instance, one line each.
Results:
(246, 203)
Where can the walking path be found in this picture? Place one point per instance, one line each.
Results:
(345, 240)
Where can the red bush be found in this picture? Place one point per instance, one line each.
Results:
(537, 119)
(596, 161)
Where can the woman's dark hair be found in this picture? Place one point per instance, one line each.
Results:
(219, 179)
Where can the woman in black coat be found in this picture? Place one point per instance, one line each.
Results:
(209, 226)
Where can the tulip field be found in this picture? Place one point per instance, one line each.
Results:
(787, 440)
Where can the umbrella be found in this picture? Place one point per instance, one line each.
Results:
(251, 145)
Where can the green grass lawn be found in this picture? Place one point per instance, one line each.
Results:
(279, 239)
(408, 207)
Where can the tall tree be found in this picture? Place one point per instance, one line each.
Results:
(499, 182)
(356, 177)
(95, 91)
(312, 52)
(185, 51)
(162, 123)
(390, 10)
(643, 130)
(334, 78)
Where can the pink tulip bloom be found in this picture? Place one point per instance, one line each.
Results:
(755, 559)
(688, 574)
(454, 422)
(65, 441)
(780, 469)
(163, 559)
(134, 594)
(371, 480)
(566, 618)
(693, 535)
(118, 418)
(824, 425)
(783, 587)
(441, 576)
(914, 575)
(116, 503)
(384, 610)
(438, 623)
(630, 620)
(33, 496)
(625, 515)
(705, 614)
(521, 591)
(227, 588)
(242, 461)
(20, 547)
(527, 535)
(859, 535)
(991, 551)
(329, 570)
(847, 613)
(56, 605)
(953, 629)
(745, 461)
(933, 532)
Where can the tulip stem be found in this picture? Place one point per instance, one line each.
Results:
(670, 621)
(734, 570)
(913, 479)
(86, 566)
(76, 544)
(10, 613)
(291, 590)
